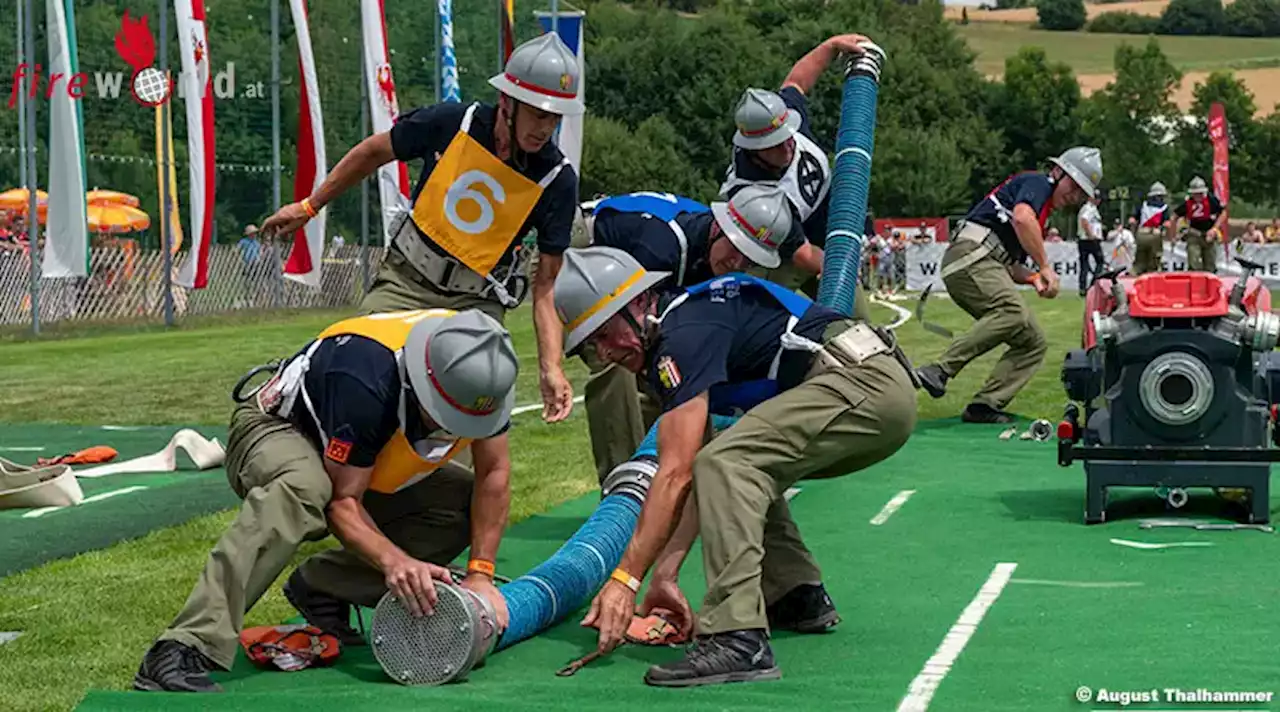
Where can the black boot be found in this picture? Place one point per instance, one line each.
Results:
(933, 379)
(170, 666)
(804, 609)
(736, 656)
(321, 610)
(983, 413)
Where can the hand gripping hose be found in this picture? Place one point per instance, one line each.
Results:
(565, 582)
(851, 181)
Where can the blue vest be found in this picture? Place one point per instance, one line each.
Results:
(736, 398)
(663, 206)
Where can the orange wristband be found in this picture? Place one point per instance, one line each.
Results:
(626, 579)
(480, 566)
(306, 205)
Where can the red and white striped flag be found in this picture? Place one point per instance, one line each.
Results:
(197, 83)
(308, 243)
(393, 178)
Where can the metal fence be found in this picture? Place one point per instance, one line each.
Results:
(127, 284)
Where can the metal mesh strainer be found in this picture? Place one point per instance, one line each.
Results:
(435, 649)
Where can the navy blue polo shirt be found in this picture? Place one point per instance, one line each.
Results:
(354, 385)
(996, 209)
(726, 337)
(653, 244)
(1202, 209)
(425, 133)
(815, 228)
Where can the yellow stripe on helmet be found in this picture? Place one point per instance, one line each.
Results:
(626, 284)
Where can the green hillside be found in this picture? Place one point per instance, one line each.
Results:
(1090, 53)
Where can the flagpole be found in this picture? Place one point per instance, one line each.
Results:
(33, 208)
(275, 104)
(364, 183)
(165, 228)
(501, 13)
(22, 102)
(276, 267)
(435, 83)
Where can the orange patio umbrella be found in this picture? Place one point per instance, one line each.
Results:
(111, 197)
(117, 219)
(19, 199)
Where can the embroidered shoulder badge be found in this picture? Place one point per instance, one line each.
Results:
(338, 450)
(668, 373)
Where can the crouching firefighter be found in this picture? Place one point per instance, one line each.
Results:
(490, 174)
(693, 243)
(823, 395)
(354, 436)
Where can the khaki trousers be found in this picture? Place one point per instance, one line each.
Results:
(840, 422)
(986, 291)
(280, 476)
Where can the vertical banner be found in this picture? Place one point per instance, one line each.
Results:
(384, 108)
(450, 91)
(197, 86)
(1219, 136)
(66, 251)
(308, 243)
(570, 27)
(507, 33)
(167, 172)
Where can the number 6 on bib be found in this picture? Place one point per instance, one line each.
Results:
(474, 205)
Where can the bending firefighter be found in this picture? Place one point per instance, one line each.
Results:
(692, 243)
(1206, 221)
(354, 437)
(489, 176)
(983, 266)
(824, 395)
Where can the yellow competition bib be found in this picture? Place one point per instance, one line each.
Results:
(474, 205)
(400, 464)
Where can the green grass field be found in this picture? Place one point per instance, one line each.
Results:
(89, 618)
(1090, 53)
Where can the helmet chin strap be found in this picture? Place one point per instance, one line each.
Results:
(519, 158)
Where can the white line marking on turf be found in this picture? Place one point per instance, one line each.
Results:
(29, 448)
(536, 406)
(904, 315)
(1078, 584)
(9, 636)
(937, 667)
(892, 506)
(87, 500)
(1168, 545)
(791, 492)
(122, 427)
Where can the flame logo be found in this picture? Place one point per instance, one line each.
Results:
(134, 43)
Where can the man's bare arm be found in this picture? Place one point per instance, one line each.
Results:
(359, 163)
(680, 436)
(557, 393)
(491, 496)
(804, 74)
(1027, 226)
(808, 258)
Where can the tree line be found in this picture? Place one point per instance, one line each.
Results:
(662, 79)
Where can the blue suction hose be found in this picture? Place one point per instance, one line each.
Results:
(851, 181)
(565, 582)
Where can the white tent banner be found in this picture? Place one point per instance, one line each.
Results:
(924, 262)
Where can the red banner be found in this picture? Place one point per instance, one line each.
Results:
(1218, 135)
